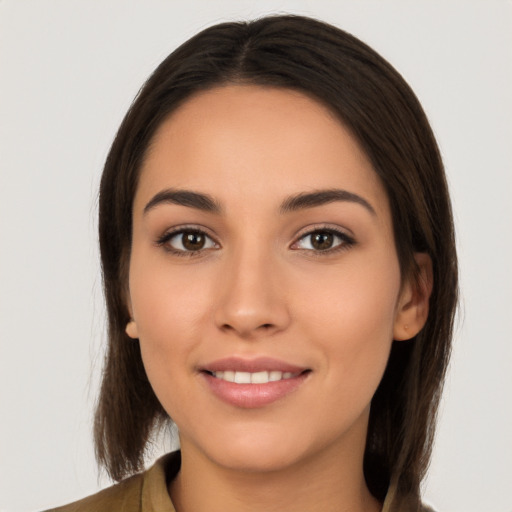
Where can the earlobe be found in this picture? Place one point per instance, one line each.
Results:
(131, 327)
(132, 330)
(413, 306)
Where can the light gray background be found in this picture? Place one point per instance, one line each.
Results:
(68, 72)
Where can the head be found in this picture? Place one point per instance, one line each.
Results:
(375, 105)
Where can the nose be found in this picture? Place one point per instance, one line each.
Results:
(252, 299)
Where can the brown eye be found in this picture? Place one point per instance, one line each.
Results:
(322, 240)
(188, 241)
(193, 241)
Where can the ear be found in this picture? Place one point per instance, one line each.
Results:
(132, 329)
(413, 305)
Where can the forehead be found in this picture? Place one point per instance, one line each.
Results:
(246, 140)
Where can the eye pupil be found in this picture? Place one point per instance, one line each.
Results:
(322, 240)
(193, 241)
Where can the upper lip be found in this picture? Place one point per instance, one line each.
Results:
(258, 364)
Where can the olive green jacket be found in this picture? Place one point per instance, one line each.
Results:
(147, 492)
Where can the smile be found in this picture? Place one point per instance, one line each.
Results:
(261, 377)
(252, 383)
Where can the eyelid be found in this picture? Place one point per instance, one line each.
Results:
(345, 234)
(334, 228)
(176, 230)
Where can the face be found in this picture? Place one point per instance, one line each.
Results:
(264, 284)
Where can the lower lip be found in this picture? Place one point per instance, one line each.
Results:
(252, 396)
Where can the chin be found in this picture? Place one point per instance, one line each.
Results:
(246, 449)
(257, 459)
(265, 448)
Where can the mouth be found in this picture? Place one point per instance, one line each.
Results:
(255, 383)
(261, 377)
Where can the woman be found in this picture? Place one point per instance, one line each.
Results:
(280, 275)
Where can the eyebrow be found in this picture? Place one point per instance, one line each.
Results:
(304, 200)
(321, 197)
(196, 200)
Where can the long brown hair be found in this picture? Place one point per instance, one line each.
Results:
(371, 98)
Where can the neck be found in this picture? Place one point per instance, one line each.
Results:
(329, 481)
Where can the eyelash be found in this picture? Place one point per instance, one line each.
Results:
(345, 243)
(164, 240)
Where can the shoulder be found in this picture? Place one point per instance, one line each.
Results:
(125, 496)
(144, 492)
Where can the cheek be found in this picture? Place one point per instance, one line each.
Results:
(166, 299)
(351, 317)
(169, 306)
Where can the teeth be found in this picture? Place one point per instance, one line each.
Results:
(253, 378)
(242, 377)
(228, 375)
(259, 378)
(273, 376)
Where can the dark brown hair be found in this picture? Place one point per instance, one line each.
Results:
(371, 98)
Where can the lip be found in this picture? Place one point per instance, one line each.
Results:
(252, 396)
(258, 364)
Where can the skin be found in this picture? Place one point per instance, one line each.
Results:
(260, 288)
